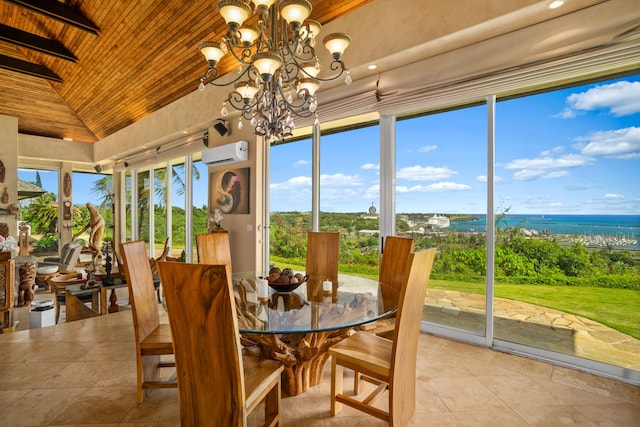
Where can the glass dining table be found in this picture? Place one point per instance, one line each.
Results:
(299, 326)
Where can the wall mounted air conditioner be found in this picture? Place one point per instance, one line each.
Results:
(225, 154)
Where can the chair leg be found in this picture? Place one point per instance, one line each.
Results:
(57, 312)
(356, 382)
(272, 406)
(337, 372)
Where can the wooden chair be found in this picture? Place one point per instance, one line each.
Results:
(390, 363)
(322, 261)
(219, 383)
(214, 249)
(393, 263)
(59, 285)
(153, 339)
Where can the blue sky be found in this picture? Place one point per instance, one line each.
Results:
(573, 151)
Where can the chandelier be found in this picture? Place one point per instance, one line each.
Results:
(278, 67)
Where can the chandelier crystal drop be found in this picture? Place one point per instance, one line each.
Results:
(279, 71)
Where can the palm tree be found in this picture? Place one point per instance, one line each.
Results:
(103, 187)
(42, 214)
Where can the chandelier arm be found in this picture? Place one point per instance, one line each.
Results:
(334, 66)
(242, 74)
(245, 57)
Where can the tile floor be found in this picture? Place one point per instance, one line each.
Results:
(83, 373)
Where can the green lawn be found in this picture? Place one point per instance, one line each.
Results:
(617, 308)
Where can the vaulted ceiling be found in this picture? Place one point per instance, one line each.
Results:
(113, 63)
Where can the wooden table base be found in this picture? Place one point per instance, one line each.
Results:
(303, 355)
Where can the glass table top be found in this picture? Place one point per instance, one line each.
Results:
(299, 311)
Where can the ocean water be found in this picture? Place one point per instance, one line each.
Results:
(620, 230)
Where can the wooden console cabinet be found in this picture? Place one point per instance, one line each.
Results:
(7, 284)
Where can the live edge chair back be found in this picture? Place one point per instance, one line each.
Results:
(322, 261)
(219, 385)
(153, 339)
(395, 257)
(389, 363)
(393, 263)
(214, 248)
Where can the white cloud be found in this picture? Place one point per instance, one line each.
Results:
(340, 180)
(548, 162)
(301, 163)
(427, 148)
(555, 174)
(530, 174)
(620, 98)
(620, 143)
(483, 178)
(422, 173)
(433, 188)
(292, 183)
(527, 174)
(613, 196)
(370, 166)
(554, 150)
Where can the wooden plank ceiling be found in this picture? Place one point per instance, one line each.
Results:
(144, 56)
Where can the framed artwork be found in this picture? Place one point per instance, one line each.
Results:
(229, 191)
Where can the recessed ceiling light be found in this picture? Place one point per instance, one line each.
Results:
(67, 139)
(556, 4)
(372, 67)
(184, 131)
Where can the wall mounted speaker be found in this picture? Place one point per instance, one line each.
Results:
(221, 128)
(98, 168)
(205, 139)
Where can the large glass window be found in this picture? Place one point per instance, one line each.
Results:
(290, 202)
(568, 223)
(178, 224)
(349, 198)
(200, 177)
(441, 173)
(96, 189)
(160, 185)
(38, 202)
(143, 186)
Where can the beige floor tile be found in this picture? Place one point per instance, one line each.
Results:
(615, 390)
(465, 394)
(556, 416)
(107, 404)
(492, 417)
(621, 414)
(39, 407)
(93, 383)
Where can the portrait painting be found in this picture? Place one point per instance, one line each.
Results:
(229, 191)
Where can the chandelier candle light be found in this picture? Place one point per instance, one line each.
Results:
(278, 74)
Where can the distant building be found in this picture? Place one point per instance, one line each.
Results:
(373, 213)
(439, 221)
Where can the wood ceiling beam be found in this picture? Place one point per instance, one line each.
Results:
(63, 12)
(34, 42)
(29, 68)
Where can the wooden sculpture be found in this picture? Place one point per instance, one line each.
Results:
(96, 223)
(27, 283)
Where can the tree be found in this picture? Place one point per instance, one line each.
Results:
(42, 214)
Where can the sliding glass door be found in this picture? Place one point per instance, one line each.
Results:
(441, 202)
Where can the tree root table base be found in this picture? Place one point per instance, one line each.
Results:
(303, 355)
